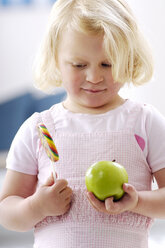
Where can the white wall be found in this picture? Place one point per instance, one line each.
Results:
(23, 28)
(151, 18)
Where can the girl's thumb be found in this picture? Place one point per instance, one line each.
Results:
(129, 189)
(50, 180)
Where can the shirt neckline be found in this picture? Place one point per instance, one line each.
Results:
(109, 112)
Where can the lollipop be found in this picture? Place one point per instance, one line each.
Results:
(49, 145)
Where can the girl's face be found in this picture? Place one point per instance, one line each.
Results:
(86, 74)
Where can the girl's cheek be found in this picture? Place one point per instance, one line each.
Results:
(77, 77)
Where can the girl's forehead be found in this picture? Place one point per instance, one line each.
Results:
(80, 45)
(70, 37)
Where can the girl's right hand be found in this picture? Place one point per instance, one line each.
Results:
(53, 199)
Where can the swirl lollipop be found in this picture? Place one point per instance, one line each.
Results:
(48, 145)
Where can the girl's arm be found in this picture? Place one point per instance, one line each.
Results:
(15, 201)
(152, 203)
(148, 203)
(22, 207)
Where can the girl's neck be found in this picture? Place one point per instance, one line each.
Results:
(76, 108)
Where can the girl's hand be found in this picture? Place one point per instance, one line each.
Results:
(127, 203)
(52, 199)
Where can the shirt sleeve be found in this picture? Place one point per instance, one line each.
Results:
(155, 128)
(22, 156)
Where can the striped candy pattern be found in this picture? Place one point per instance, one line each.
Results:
(48, 143)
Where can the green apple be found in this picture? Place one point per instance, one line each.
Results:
(105, 179)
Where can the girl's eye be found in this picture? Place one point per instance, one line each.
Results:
(106, 65)
(79, 65)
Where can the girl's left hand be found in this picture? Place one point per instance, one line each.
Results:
(127, 203)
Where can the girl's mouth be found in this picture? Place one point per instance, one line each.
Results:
(94, 91)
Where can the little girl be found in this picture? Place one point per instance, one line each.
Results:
(92, 48)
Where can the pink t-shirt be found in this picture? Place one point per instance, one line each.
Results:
(133, 134)
(149, 132)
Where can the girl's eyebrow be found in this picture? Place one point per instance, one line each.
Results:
(85, 60)
(77, 59)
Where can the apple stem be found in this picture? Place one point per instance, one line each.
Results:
(114, 160)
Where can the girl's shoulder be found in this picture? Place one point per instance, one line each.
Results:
(147, 119)
(37, 117)
(145, 110)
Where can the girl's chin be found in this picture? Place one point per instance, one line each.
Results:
(93, 105)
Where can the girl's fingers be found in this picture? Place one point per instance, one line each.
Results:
(97, 204)
(129, 189)
(60, 185)
(67, 192)
(109, 204)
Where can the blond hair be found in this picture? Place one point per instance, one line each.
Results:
(126, 49)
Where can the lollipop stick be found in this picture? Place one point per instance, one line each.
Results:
(54, 172)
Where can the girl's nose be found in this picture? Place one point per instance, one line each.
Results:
(94, 76)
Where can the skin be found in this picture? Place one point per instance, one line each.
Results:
(86, 74)
(22, 206)
(87, 77)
